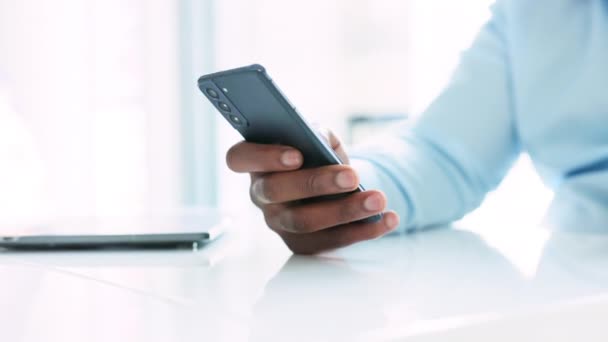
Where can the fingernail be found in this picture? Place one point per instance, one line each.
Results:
(346, 179)
(373, 203)
(392, 221)
(291, 158)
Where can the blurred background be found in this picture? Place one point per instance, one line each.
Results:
(100, 114)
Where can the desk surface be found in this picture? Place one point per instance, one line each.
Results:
(247, 286)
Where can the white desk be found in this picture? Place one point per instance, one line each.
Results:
(439, 285)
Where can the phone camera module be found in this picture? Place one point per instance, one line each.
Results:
(235, 119)
(225, 107)
(212, 93)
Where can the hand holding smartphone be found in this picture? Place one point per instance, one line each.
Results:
(250, 101)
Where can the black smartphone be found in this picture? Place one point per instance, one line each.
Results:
(250, 101)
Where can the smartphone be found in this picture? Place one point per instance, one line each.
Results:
(252, 103)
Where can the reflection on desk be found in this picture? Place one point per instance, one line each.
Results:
(410, 286)
(402, 283)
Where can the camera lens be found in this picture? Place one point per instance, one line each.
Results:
(235, 119)
(212, 93)
(224, 107)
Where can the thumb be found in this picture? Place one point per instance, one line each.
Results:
(332, 139)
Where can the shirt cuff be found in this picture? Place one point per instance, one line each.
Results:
(373, 178)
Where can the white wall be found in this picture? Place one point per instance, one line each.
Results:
(96, 84)
(441, 30)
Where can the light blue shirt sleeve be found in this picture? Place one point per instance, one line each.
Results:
(441, 166)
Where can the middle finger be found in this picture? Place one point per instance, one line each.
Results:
(308, 218)
(290, 186)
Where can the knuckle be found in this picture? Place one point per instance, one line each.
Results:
(348, 212)
(252, 196)
(286, 219)
(294, 222)
(268, 191)
(270, 222)
(313, 184)
(270, 217)
(264, 191)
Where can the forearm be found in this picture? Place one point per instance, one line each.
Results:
(440, 166)
(425, 184)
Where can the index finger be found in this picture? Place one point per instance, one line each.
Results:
(251, 157)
